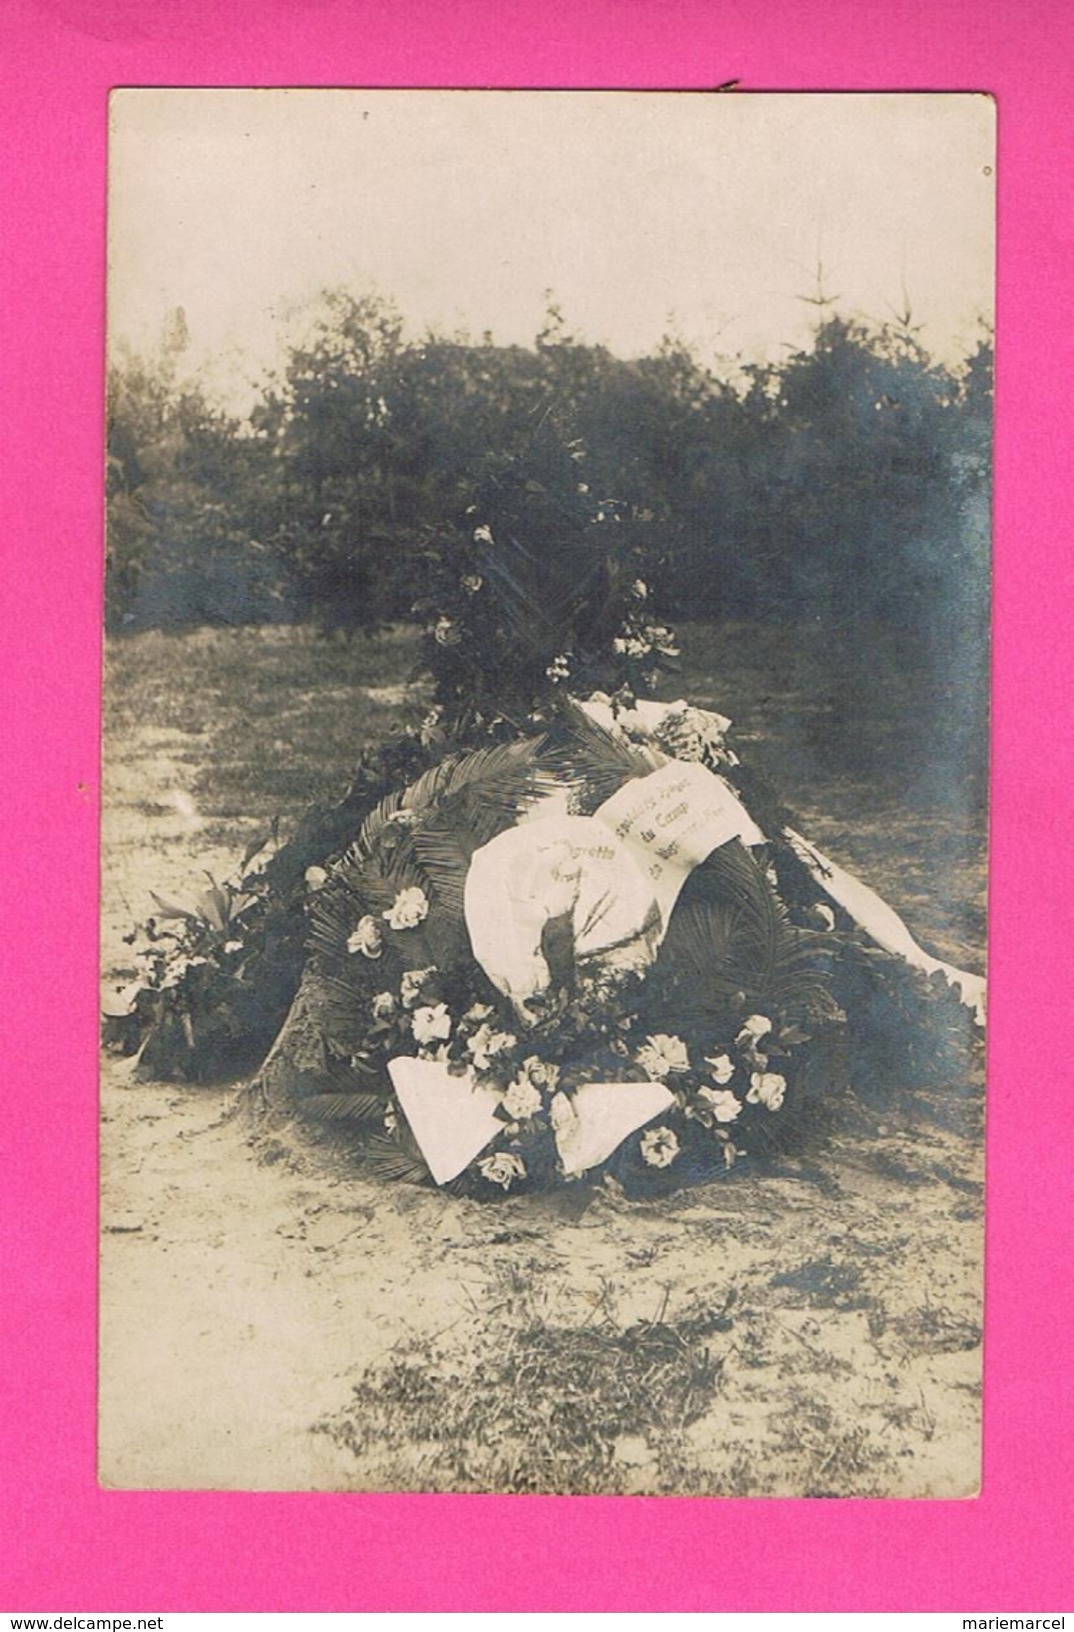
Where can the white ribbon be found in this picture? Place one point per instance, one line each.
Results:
(453, 1118)
(556, 867)
(593, 1122)
(871, 913)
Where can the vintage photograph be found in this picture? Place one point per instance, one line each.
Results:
(545, 791)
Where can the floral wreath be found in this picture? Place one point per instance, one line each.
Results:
(657, 1072)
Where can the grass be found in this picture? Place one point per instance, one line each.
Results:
(278, 716)
(547, 1406)
(536, 1403)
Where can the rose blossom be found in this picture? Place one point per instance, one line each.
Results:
(408, 910)
(540, 1073)
(411, 983)
(661, 1054)
(722, 1066)
(367, 938)
(753, 1029)
(767, 1088)
(721, 1102)
(522, 1099)
(485, 1044)
(659, 1147)
(431, 1025)
(502, 1169)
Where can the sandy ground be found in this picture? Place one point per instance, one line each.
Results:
(265, 1310)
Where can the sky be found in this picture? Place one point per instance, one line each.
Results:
(701, 214)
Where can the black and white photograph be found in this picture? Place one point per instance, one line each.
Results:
(545, 791)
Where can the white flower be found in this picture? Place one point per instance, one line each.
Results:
(540, 1073)
(629, 646)
(485, 1044)
(472, 582)
(721, 1102)
(502, 1169)
(177, 968)
(431, 1025)
(368, 938)
(663, 639)
(478, 1013)
(411, 984)
(559, 668)
(522, 1099)
(722, 1067)
(661, 1054)
(391, 1122)
(446, 633)
(483, 535)
(408, 910)
(316, 878)
(639, 589)
(767, 1088)
(383, 1006)
(752, 1030)
(431, 730)
(822, 917)
(122, 1000)
(694, 734)
(659, 1147)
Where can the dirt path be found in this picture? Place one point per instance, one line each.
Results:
(271, 1320)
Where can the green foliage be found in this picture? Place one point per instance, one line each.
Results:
(731, 948)
(186, 488)
(848, 482)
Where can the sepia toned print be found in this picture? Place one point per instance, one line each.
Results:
(545, 789)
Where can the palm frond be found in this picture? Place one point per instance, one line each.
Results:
(443, 855)
(544, 607)
(496, 780)
(427, 835)
(598, 760)
(343, 1107)
(730, 946)
(394, 1159)
(343, 1010)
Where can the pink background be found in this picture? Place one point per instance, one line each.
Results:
(71, 1547)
